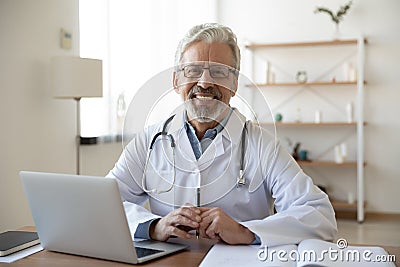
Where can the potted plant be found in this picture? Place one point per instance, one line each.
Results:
(336, 17)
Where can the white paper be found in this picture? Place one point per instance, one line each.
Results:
(354, 256)
(227, 255)
(21, 254)
(222, 255)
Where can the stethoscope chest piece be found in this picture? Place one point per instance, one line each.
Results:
(241, 181)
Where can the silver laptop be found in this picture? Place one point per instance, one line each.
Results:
(84, 215)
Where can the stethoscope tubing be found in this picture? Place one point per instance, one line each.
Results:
(240, 181)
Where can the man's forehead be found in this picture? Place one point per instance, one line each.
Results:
(208, 52)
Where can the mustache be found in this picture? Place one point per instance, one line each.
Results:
(210, 90)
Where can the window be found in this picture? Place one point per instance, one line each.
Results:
(136, 40)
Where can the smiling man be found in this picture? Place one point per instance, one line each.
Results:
(206, 75)
(208, 169)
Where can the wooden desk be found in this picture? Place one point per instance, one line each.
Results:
(190, 257)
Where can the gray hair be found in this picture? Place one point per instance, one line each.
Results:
(209, 32)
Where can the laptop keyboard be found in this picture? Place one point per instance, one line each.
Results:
(143, 252)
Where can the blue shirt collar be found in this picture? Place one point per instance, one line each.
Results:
(210, 133)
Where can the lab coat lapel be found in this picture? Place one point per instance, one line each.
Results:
(231, 132)
(233, 129)
(185, 153)
(214, 150)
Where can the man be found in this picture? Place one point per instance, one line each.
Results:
(198, 185)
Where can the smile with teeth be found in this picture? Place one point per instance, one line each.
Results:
(204, 96)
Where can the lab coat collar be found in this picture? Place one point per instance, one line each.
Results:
(233, 129)
(232, 133)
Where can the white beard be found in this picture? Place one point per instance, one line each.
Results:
(207, 112)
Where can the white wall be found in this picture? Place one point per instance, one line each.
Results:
(37, 132)
(290, 20)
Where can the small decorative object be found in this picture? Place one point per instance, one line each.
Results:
(272, 78)
(121, 109)
(298, 115)
(350, 198)
(301, 76)
(278, 117)
(318, 115)
(349, 112)
(295, 153)
(350, 72)
(336, 18)
(340, 152)
(338, 155)
(343, 151)
(270, 74)
(303, 155)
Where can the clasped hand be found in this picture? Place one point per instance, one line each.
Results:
(211, 223)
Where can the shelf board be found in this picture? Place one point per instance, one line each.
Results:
(327, 163)
(307, 124)
(344, 206)
(296, 84)
(304, 44)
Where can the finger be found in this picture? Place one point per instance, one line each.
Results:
(195, 209)
(202, 229)
(191, 213)
(174, 231)
(180, 220)
(204, 224)
(204, 209)
(185, 228)
(209, 212)
(207, 220)
(212, 231)
(188, 205)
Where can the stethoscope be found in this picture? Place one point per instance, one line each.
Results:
(241, 181)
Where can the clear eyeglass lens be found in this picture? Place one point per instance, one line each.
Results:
(216, 71)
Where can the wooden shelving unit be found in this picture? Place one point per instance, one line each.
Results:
(295, 84)
(312, 124)
(358, 124)
(344, 206)
(327, 163)
(304, 44)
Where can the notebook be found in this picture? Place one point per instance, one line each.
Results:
(84, 215)
(13, 241)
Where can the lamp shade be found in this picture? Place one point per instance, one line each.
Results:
(75, 77)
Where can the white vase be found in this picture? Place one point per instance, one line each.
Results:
(336, 33)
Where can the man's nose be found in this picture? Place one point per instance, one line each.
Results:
(205, 79)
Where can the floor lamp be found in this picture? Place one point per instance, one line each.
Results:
(74, 78)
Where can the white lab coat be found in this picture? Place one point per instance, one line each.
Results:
(273, 178)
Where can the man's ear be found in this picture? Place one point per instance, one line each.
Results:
(175, 82)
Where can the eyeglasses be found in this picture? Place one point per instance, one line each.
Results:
(216, 71)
